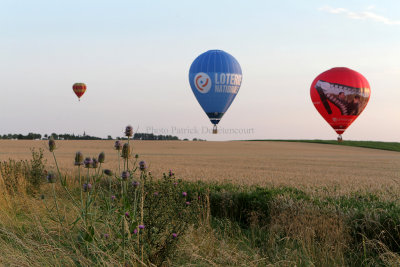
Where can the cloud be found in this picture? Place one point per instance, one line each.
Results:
(362, 15)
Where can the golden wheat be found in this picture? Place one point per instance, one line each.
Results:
(315, 168)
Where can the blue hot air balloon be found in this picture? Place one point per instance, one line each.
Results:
(215, 77)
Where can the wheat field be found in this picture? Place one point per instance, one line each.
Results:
(311, 167)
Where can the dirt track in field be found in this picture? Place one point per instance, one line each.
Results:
(303, 165)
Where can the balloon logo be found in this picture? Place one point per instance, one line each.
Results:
(340, 95)
(79, 89)
(202, 82)
(215, 78)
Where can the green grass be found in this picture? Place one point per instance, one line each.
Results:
(391, 146)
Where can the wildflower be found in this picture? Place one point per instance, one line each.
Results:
(106, 235)
(88, 162)
(135, 184)
(141, 226)
(125, 175)
(187, 203)
(52, 144)
(126, 214)
(87, 187)
(135, 231)
(118, 145)
(126, 151)
(184, 194)
(176, 183)
(156, 193)
(142, 165)
(102, 157)
(171, 173)
(78, 158)
(128, 131)
(112, 197)
(108, 172)
(174, 235)
(51, 178)
(95, 163)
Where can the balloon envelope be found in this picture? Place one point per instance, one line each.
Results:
(215, 78)
(340, 95)
(79, 89)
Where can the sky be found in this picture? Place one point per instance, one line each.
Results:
(135, 57)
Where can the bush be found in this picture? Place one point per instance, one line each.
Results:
(24, 176)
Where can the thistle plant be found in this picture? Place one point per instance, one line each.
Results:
(128, 131)
(78, 158)
(118, 147)
(129, 216)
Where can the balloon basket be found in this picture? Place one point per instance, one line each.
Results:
(215, 130)
(340, 138)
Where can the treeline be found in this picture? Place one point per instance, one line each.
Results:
(29, 136)
(148, 136)
(36, 136)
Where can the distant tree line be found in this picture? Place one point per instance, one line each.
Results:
(29, 136)
(137, 136)
(150, 136)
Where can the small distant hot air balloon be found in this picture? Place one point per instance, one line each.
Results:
(215, 78)
(79, 89)
(340, 95)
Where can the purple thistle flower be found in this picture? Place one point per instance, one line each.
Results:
(187, 203)
(156, 193)
(184, 194)
(141, 226)
(135, 231)
(171, 173)
(174, 235)
(118, 145)
(142, 165)
(176, 183)
(95, 163)
(135, 184)
(87, 187)
(88, 162)
(112, 197)
(126, 214)
(128, 131)
(106, 235)
(125, 175)
(51, 177)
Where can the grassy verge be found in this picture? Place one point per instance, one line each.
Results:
(391, 146)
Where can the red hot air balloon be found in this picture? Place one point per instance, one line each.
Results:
(340, 95)
(79, 89)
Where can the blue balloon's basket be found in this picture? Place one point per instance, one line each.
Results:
(215, 130)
